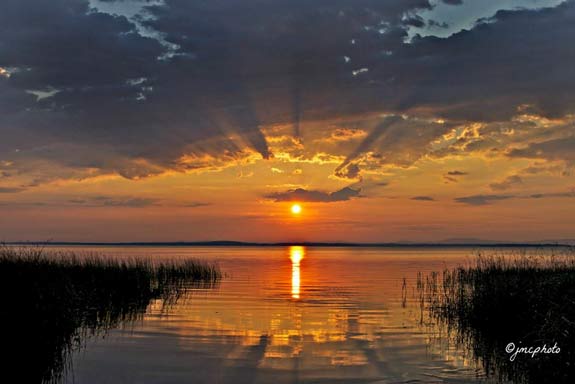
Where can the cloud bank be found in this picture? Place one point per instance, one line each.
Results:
(304, 195)
(181, 82)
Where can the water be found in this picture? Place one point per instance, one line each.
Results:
(286, 315)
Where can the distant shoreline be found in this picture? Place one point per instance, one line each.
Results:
(287, 244)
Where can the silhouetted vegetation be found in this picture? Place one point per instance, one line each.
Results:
(52, 301)
(525, 299)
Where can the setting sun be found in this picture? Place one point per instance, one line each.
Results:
(296, 209)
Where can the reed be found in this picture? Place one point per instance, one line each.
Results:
(500, 298)
(52, 301)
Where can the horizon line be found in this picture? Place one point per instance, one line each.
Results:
(234, 243)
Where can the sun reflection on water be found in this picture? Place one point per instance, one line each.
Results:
(296, 255)
(342, 319)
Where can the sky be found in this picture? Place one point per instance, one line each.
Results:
(196, 120)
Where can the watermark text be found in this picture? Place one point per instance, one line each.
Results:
(514, 350)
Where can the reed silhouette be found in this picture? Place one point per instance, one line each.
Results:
(53, 301)
(525, 299)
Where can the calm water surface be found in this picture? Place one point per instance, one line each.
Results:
(286, 315)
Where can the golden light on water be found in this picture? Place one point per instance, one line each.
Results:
(296, 209)
(296, 255)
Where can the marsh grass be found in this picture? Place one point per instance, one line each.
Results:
(52, 301)
(499, 298)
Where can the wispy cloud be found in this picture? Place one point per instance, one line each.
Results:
(509, 182)
(570, 194)
(196, 204)
(488, 199)
(457, 173)
(114, 201)
(423, 198)
(482, 199)
(453, 176)
(11, 189)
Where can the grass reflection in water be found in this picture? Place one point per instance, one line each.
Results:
(524, 299)
(52, 301)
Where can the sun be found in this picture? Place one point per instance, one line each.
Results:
(296, 209)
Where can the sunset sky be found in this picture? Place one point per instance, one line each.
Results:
(188, 120)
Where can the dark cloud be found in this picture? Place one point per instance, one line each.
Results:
(118, 101)
(452, 2)
(457, 173)
(488, 199)
(452, 176)
(414, 21)
(450, 179)
(304, 195)
(570, 194)
(114, 201)
(11, 189)
(370, 186)
(196, 204)
(537, 169)
(482, 199)
(349, 171)
(423, 198)
(509, 182)
(127, 102)
(436, 24)
(556, 149)
(509, 57)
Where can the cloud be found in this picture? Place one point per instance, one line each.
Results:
(394, 141)
(368, 142)
(570, 194)
(350, 171)
(423, 198)
(452, 176)
(538, 168)
(482, 199)
(436, 24)
(492, 45)
(414, 21)
(196, 204)
(509, 182)
(113, 201)
(304, 195)
(11, 189)
(118, 100)
(457, 173)
(488, 199)
(453, 2)
(345, 134)
(449, 179)
(556, 149)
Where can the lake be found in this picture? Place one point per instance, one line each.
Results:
(286, 315)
